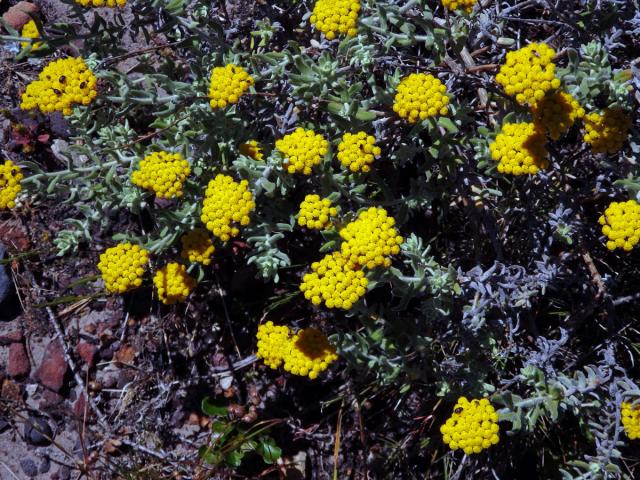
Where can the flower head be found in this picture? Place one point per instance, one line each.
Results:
(302, 149)
(173, 283)
(519, 149)
(472, 427)
(122, 267)
(357, 151)
(226, 204)
(163, 173)
(420, 96)
(10, 177)
(227, 85)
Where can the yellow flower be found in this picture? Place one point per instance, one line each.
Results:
(519, 149)
(358, 151)
(173, 283)
(30, 30)
(62, 84)
(529, 73)
(197, 246)
(310, 353)
(315, 212)
(252, 149)
(472, 427)
(306, 353)
(453, 5)
(333, 17)
(630, 420)
(227, 85)
(335, 281)
(621, 225)
(420, 96)
(273, 344)
(302, 149)
(607, 132)
(122, 267)
(371, 239)
(163, 173)
(226, 203)
(10, 177)
(556, 113)
(102, 3)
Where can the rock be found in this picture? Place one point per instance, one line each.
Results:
(37, 432)
(29, 467)
(4, 424)
(18, 364)
(45, 465)
(50, 399)
(64, 473)
(5, 281)
(79, 407)
(18, 15)
(11, 337)
(87, 352)
(53, 368)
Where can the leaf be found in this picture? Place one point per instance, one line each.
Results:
(210, 456)
(234, 459)
(269, 451)
(212, 409)
(334, 108)
(365, 115)
(448, 124)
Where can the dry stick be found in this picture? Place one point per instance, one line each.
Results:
(142, 50)
(595, 275)
(226, 316)
(336, 447)
(223, 372)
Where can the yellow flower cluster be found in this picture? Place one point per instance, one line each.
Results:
(556, 113)
(61, 84)
(173, 283)
(371, 239)
(519, 149)
(420, 96)
(197, 246)
(310, 354)
(252, 149)
(473, 426)
(334, 281)
(466, 5)
(122, 267)
(315, 212)
(30, 30)
(621, 225)
(227, 85)
(336, 16)
(307, 353)
(10, 176)
(302, 150)
(226, 202)
(358, 151)
(529, 73)
(163, 173)
(102, 3)
(630, 420)
(273, 343)
(607, 132)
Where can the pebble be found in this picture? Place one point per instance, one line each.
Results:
(29, 467)
(36, 431)
(18, 363)
(53, 368)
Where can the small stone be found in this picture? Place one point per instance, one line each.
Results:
(53, 368)
(45, 465)
(37, 432)
(11, 337)
(87, 352)
(29, 467)
(18, 364)
(18, 15)
(64, 473)
(50, 399)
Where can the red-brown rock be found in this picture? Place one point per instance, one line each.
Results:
(18, 364)
(11, 337)
(53, 367)
(87, 352)
(18, 15)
